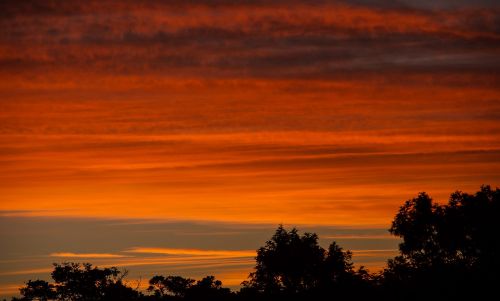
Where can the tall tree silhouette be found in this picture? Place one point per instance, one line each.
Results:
(296, 265)
(447, 250)
(288, 263)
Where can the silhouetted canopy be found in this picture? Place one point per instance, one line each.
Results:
(447, 252)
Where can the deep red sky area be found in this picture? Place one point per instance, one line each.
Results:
(317, 113)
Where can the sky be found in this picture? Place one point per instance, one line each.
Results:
(172, 137)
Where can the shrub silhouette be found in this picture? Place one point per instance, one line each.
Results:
(73, 281)
(176, 286)
(448, 252)
(38, 289)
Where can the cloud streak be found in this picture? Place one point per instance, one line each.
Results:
(193, 252)
(86, 255)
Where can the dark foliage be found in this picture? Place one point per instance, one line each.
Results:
(76, 282)
(291, 265)
(448, 252)
(176, 286)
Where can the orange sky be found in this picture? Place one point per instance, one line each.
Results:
(255, 152)
(331, 113)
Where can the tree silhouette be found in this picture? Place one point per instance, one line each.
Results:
(288, 263)
(447, 252)
(208, 288)
(171, 285)
(294, 265)
(340, 273)
(38, 290)
(76, 282)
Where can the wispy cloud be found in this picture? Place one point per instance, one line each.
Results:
(193, 252)
(9, 289)
(388, 253)
(86, 255)
(360, 236)
(26, 272)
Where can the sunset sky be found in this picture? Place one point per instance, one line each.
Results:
(172, 137)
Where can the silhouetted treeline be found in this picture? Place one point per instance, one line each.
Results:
(448, 252)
